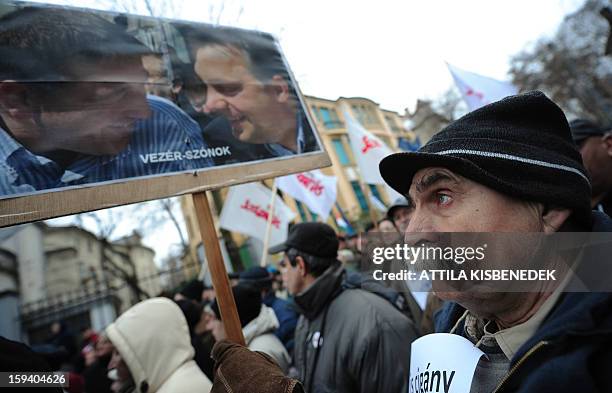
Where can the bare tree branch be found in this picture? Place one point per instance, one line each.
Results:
(572, 67)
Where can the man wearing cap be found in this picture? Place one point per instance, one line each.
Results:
(347, 340)
(511, 166)
(399, 214)
(260, 279)
(595, 145)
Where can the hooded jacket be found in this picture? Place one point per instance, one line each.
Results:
(259, 336)
(350, 340)
(572, 349)
(153, 340)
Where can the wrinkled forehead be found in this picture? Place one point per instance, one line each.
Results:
(427, 177)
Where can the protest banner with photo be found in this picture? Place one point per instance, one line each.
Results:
(99, 109)
(313, 188)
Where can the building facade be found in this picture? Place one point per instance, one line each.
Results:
(50, 274)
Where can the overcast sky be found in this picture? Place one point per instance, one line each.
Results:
(392, 52)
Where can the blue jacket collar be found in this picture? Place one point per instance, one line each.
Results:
(575, 314)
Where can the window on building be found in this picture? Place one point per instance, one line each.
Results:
(337, 123)
(375, 192)
(358, 111)
(329, 117)
(315, 111)
(360, 197)
(371, 115)
(325, 116)
(340, 152)
(392, 123)
(301, 209)
(366, 115)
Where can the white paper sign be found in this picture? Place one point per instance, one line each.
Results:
(442, 362)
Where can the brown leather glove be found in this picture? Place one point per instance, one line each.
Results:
(240, 370)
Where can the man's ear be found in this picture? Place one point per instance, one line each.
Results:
(607, 140)
(281, 88)
(14, 100)
(301, 265)
(553, 218)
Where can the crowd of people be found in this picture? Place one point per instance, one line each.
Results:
(516, 165)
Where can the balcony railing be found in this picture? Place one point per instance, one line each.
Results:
(332, 124)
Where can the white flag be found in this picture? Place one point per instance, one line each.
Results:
(341, 222)
(478, 90)
(368, 151)
(313, 188)
(377, 203)
(246, 210)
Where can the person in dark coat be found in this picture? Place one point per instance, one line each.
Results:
(16, 356)
(202, 343)
(96, 373)
(63, 337)
(347, 339)
(595, 144)
(511, 166)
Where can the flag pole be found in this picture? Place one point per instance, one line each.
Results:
(218, 274)
(264, 253)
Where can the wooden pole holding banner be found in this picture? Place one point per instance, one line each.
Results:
(220, 280)
(264, 253)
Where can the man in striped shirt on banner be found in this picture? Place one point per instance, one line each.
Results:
(74, 110)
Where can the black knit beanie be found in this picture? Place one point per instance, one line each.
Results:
(248, 303)
(520, 146)
(193, 290)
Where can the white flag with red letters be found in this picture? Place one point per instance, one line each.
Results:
(314, 189)
(247, 208)
(368, 151)
(478, 90)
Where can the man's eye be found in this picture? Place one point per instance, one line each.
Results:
(229, 89)
(443, 199)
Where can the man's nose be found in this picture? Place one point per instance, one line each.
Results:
(419, 222)
(215, 102)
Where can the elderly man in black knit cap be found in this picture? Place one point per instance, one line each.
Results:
(595, 145)
(511, 166)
